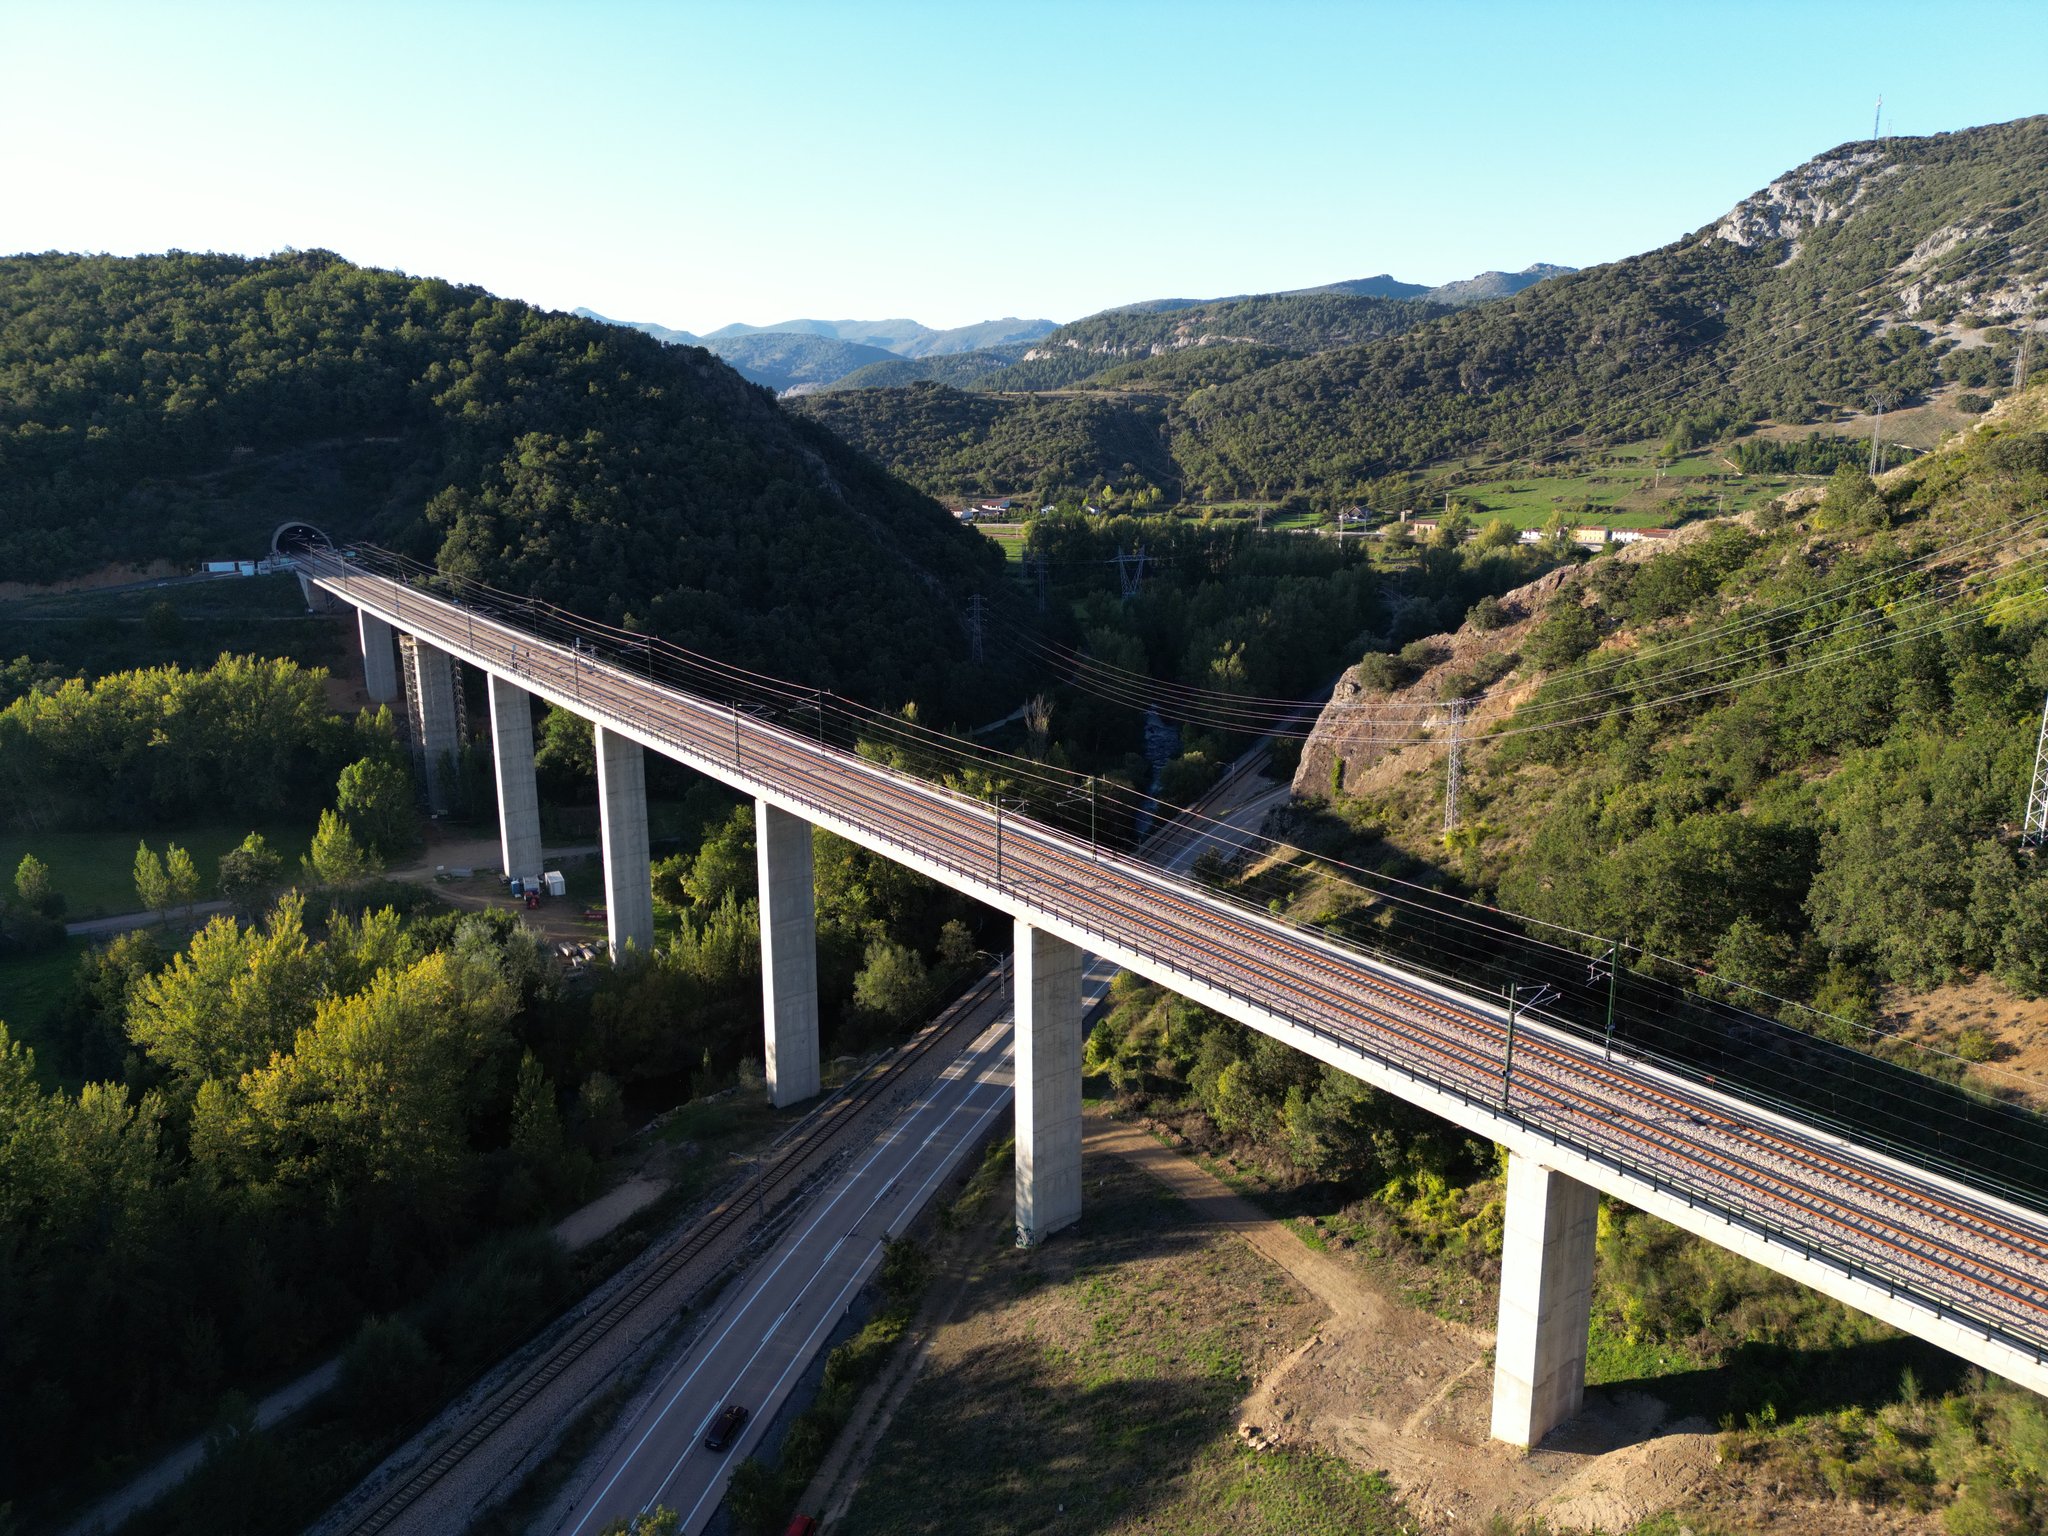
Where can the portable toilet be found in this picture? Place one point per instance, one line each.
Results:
(556, 885)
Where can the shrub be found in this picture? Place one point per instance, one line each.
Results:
(388, 1372)
(1489, 613)
(1566, 633)
(1382, 672)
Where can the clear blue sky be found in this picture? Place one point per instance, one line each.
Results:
(701, 163)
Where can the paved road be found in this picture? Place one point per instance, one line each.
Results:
(1950, 1262)
(99, 927)
(803, 1286)
(777, 1315)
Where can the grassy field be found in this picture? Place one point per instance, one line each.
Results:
(1092, 1385)
(97, 632)
(96, 870)
(30, 990)
(1636, 489)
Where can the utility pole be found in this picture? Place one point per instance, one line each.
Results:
(2037, 797)
(1610, 963)
(1454, 764)
(1538, 996)
(977, 611)
(1507, 1062)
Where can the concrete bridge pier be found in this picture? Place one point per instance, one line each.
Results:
(789, 953)
(622, 814)
(1047, 989)
(436, 722)
(518, 793)
(1546, 1301)
(380, 658)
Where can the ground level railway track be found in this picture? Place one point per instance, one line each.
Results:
(1349, 999)
(792, 1159)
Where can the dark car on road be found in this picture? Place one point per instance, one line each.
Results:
(724, 1427)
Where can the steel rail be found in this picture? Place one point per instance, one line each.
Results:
(819, 1128)
(915, 815)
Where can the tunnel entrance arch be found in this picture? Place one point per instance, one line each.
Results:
(297, 538)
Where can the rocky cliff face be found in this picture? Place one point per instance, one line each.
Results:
(1819, 192)
(1366, 738)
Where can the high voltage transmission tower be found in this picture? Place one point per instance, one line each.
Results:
(977, 613)
(1130, 570)
(1037, 566)
(1878, 401)
(2036, 832)
(2019, 366)
(1454, 764)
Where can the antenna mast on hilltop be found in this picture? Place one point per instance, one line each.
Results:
(1877, 117)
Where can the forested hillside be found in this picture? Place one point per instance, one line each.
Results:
(954, 442)
(783, 360)
(1278, 325)
(1790, 754)
(1891, 270)
(179, 406)
(1294, 323)
(1852, 274)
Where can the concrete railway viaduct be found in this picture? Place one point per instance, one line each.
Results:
(1954, 1265)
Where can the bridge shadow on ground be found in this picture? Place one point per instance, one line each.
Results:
(1094, 1384)
(1789, 1381)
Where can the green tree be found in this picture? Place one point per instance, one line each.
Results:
(1498, 534)
(152, 883)
(1566, 633)
(36, 889)
(536, 1121)
(232, 999)
(335, 857)
(956, 944)
(892, 984)
(182, 876)
(249, 872)
(374, 796)
(600, 1115)
(725, 863)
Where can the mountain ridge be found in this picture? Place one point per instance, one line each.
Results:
(1897, 268)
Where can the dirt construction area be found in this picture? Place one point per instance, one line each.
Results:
(1184, 1362)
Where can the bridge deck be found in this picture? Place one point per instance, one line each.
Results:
(1964, 1269)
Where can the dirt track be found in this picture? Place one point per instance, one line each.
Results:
(1388, 1386)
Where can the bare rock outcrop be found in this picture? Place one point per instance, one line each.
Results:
(1378, 736)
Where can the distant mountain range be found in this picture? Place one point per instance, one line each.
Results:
(807, 355)
(1898, 267)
